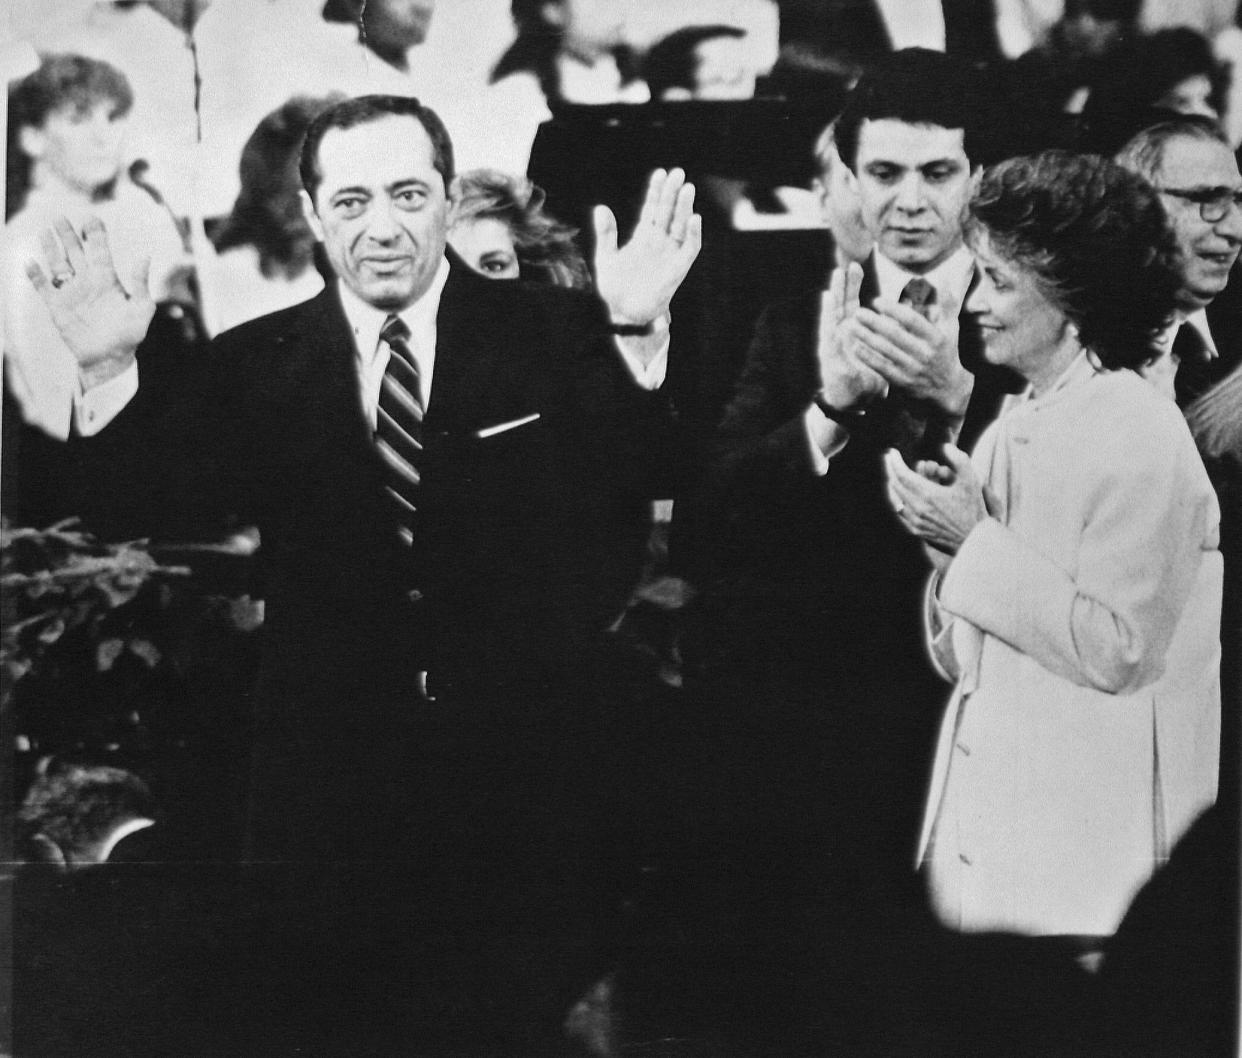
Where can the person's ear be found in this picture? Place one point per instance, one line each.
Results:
(312, 218)
(976, 175)
(32, 141)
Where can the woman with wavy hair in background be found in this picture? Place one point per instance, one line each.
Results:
(500, 230)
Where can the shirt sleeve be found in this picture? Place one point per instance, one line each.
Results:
(95, 408)
(651, 375)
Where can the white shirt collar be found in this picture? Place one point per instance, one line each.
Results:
(1199, 321)
(951, 278)
(366, 321)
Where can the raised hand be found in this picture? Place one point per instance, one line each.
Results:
(913, 354)
(100, 320)
(638, 280)
(844, 379)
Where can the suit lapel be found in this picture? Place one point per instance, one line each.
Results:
(479, 359)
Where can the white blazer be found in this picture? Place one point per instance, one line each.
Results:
(1081, 625)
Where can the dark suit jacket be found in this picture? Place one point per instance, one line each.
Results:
(831, 581)
(513, 548)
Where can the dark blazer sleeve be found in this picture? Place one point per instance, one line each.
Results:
(155, 470)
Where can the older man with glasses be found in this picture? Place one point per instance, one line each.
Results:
(1188, 160)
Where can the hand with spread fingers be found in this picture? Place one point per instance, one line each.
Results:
(913, 354)
(846, 382)
(638, 280)
(940, 505)
(100, 320)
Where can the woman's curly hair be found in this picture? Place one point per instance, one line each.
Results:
(545, 247)
(1097, 240)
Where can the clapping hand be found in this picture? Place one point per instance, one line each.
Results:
(844, 380)
(100, 320)
(938, 504)
(638, 280)
(913, 354)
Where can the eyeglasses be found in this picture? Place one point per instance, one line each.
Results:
(1213, 202)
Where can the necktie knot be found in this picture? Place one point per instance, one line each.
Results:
(394, 330)
(919, 294)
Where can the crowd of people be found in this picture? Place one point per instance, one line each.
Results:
(951, 655)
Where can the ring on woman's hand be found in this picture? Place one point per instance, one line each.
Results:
(59, 279)
(898, 507)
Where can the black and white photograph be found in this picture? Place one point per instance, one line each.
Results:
(621, 529)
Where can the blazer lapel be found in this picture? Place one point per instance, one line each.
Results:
(478, 357)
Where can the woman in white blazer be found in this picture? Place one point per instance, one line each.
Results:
(1076, 599)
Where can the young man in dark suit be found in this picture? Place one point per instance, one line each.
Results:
(811, 599)
(433, 495)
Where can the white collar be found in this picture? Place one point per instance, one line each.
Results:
(951, 277)
(366, 321)
(1199, 321)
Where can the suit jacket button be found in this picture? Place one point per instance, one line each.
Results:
(414, 595)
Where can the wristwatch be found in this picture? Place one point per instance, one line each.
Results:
(851, 420)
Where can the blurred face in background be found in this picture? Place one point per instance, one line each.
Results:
(398, 24)
(589, 27)
(841, 209)
(486, 245)
(723, 70)
(78, 148)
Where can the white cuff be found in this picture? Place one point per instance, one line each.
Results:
(825, 439)
(95, 408)
(651, 374)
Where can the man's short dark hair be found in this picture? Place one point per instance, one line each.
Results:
(918, 87)
(1144, 152)
(362, 111)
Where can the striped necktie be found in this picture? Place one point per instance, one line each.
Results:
(399, 424)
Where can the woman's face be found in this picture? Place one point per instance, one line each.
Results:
(1021, 328)
(83, 149)
(486, 245)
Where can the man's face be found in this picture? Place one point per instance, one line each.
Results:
(722, 70)
(81, 148)
(913, 184)
(1208, 249)
(381, 210)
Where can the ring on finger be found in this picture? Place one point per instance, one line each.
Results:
(59, 279)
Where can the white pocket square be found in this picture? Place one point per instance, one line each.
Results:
(501, 427)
